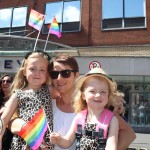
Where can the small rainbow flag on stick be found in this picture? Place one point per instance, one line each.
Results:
(33, 132)
(36, 20)
(54, 28)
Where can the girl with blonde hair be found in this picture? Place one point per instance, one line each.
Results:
(30, 92)
(94, 127)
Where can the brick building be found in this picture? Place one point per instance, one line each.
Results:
(113, 34)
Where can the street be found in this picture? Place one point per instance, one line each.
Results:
(142, 142)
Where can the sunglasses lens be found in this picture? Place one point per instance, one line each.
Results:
(66, 73)
(54, 74)
(63, 73)
(6, 81)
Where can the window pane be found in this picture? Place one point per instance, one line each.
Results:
(72, 26)
(18, 31)
(112, 23)
(71, 11)
(53, 9)
(135, 22)
(112, 9)
(5, 17)
(134, 8)
(67, 14)
(19, 17)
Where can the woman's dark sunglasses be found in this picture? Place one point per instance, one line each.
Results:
(6, 81)
(63, 73)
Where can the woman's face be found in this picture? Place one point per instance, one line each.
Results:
(64, 84)
(6, 83)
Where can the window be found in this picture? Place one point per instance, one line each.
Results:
(13, 20)
(123, 14)
(67, 14)
(137, 97)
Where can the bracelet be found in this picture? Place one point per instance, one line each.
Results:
(1, 125)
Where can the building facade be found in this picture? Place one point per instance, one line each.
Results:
(112, 34)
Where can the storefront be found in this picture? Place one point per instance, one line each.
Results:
(133, 78)
(132, 75)
(137, 96)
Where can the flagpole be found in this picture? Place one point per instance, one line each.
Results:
(47, 121)
(38, 35)
(47, 39)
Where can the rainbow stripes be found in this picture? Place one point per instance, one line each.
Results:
(33, 132)
(54, 28)
(36, 19)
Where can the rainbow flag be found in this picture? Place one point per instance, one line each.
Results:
(36, 20)
(54, 28)
(33, 132)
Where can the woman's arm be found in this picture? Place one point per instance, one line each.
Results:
(126, 134)
(112, 140)
(53, 92)
(9, 110)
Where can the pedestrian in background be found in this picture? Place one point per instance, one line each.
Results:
(118, 104)
(5, 85)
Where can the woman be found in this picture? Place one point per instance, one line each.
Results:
(5, 84)
(64, 70)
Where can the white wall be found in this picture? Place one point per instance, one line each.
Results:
(112, 65)
(117, 65)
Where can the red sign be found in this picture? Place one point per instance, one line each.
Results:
(94, 64)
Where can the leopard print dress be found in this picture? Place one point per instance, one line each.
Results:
(87, 142)
(29, 104)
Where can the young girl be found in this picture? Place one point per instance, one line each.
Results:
(30, 92)
(119, 104)
(95, 127)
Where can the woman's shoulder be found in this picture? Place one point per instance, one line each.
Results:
(53, 92)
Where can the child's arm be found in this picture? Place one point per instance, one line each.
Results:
(112, 140)
(16, 124)
(67, 140)
(8, 112)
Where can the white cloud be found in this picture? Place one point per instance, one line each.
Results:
(20, 13)
(71, 14)
(5, 14)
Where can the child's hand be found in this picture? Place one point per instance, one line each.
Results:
(55, 138)
(43, 146)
